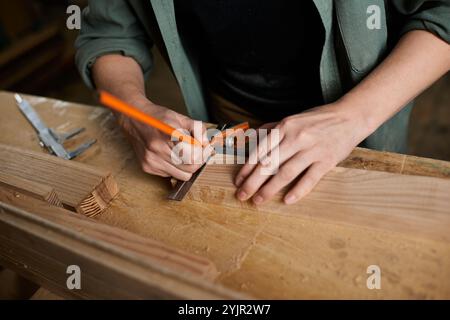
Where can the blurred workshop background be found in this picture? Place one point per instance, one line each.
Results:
(37, 57)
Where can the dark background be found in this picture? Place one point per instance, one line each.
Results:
(37, 57)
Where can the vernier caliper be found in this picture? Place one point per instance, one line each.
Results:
(49, 138)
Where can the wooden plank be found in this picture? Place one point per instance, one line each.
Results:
(367, 159)
(266, 255)
(85, 189)
(31, 188)
(15, 287)
(44, 294)
(283, 256)
(115, 148)
(42, 240)
(399, 203)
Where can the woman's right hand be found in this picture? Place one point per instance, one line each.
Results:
(154, 149)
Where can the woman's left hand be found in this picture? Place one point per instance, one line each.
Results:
(312, 143)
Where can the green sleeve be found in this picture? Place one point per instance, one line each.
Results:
(110, 26)
(429, 15)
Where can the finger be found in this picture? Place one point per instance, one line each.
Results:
(189, 128)
(167, 169)
(176, 172)
(145, 163)
(157, 163)
(152, 163)
(198, 131)
(252, 161)
(150, 170)
(253, 182)
(269, 126)
(279, 154)
(179, 154)
(197, 161)
(307, 182)
(164, 150)
(245, 171)
(190, 168)
(192, 155)
(197, 155)
(195, 129)
(269, 143)
(290, 170)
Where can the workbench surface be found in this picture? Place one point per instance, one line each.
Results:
(262, 254)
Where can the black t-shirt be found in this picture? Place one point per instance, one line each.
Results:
(263, 56)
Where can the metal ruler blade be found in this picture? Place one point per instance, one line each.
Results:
(30, 114)
(48, 138)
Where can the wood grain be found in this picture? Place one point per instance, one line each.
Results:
(404, 164)
(114, 263)
(373, 199)
(45, 295)
(30, 188)
(85, 189)
(262, 254)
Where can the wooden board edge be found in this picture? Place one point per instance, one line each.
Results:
(35, 245)
(31, 188)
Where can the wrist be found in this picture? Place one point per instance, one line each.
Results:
(360, 113)
(136, 100)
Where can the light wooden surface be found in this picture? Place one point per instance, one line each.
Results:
(42, 241)
(44, 294)
(86, 189)
(406, 204)
(266, 255)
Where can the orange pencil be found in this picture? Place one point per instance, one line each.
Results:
(116, 104)
(229, 132)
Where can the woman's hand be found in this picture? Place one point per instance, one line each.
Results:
(122, 76)
(155, 150)
(315, 141)
(310, 143)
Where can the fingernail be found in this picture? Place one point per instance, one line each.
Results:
(242, 195)
(239, 181)
(290, 199)
(258, 199)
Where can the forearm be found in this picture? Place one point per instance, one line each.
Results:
(121, 76)
(419, 59)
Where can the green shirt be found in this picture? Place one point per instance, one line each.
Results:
(351, 49)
